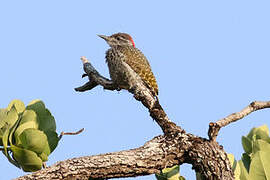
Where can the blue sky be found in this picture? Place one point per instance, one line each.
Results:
(210, 58)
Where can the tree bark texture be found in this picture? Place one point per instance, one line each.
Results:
(156, 154)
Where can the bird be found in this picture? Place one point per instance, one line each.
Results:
(125, 62)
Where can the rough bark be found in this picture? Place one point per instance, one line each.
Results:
(156, 154)
(174, 147)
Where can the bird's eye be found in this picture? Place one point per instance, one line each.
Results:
(118, 38)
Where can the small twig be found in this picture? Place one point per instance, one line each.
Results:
(254, 106)
(70, 133)
(94, 78)
(87, 86)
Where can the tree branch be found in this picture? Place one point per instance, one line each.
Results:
(94, 78)
(254, 106)
(174, 147)
(159, 153)
(140, 161)
(140, 92)
(71, 133)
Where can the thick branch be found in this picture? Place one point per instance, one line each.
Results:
(159, 153)
(134, 162)
(254, 106)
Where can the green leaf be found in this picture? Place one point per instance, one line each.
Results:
(264, 128)
(11, 119)
(260, 166)
(244, 174)
(18, 104)
(5, 144)
(251, 133)
(232, 161)
(23, 127)
(12, 116)
(11, 138)
(235, 166)
(260, 134)
(47, 149)
(47, 122)
(261, 145)
(247, 144)
(29, 115)
(5, 140)
(34, 140)
(45, 119)
(169, 174)
(37, 105)
(3, 124)
(28, 120)
(28, 160)
(237, 172)
(3, 116)
(43, 156)
(246, 161)
(264, 132)
(53, 140)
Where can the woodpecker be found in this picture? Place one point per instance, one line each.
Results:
(125, 60)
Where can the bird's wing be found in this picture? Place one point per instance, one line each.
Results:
(141, 67)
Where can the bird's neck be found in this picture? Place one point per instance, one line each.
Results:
(121, 46)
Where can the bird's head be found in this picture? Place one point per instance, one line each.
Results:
(119, 39)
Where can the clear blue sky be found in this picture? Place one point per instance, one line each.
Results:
(210, 58)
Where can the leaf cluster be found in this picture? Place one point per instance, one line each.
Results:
(27, 134)
(255, 161)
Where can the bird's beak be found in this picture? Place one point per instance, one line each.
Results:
(106, 38)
